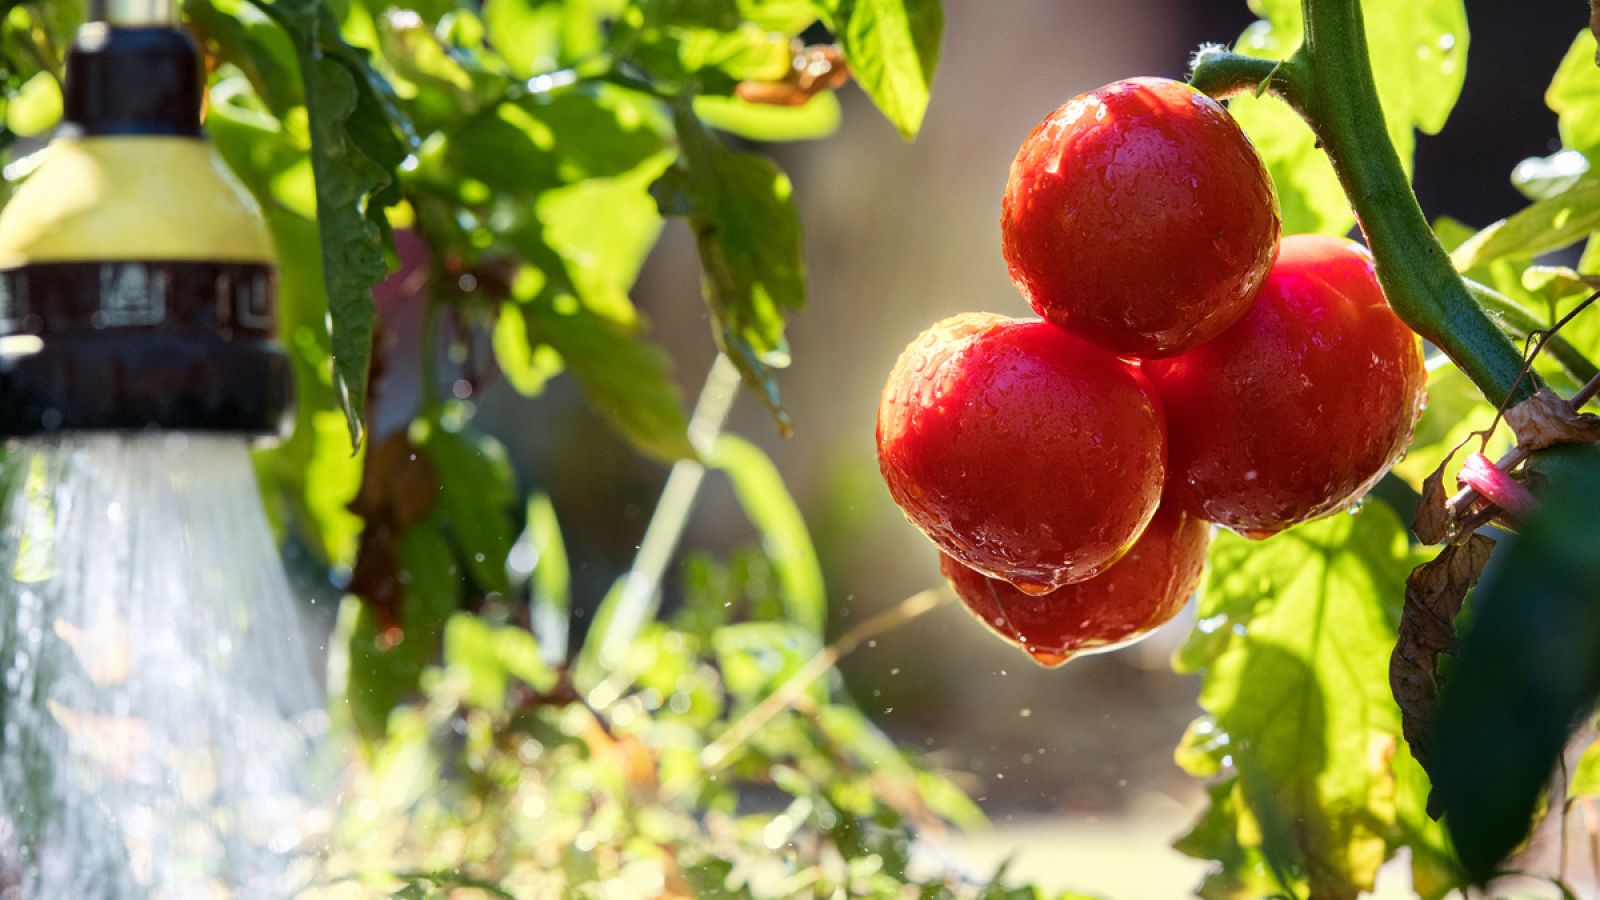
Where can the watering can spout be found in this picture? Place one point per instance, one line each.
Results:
(137, 288)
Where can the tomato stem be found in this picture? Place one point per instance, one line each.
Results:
(1329, 82)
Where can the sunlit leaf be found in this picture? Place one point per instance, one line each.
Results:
(892, 47)
(741, 208)
(1574, 95)
(816, 118)
(761, 491)
(1418, 52)
(1543, 226)
(551, 581)
(1293, 641)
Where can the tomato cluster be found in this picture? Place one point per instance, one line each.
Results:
(1189, 367)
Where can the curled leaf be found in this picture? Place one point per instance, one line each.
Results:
(1434, 594)
(1431, 524)
(1546, 419)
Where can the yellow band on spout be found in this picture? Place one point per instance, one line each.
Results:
(134, 13)
(132, 198)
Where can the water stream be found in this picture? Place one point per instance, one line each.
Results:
(156, 685)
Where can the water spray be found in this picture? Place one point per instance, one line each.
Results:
(149, 645)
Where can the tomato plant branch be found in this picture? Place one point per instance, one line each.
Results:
(720, 751)
(642, 585)
(1329, 82)
(1523, 324)
(1223, 73)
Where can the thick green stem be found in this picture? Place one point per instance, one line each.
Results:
(1329, 82)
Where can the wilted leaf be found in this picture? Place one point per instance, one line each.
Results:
(1546, 419)
(1434, 593)
(1432, 521)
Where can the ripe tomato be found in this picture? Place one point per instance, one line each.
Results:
(1140, 217)
(1303, 405)
(1022, 451)
(1137, 595)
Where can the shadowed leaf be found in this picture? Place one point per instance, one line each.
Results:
(1528, 671)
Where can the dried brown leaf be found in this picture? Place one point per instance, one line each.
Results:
(1546, 419)
(816, 69)
(1431, 524)
(1434, 593)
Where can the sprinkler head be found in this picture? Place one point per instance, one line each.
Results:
(137, 288)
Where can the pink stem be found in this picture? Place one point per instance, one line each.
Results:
(1478, 473)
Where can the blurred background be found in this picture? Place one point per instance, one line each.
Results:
(1073, 765)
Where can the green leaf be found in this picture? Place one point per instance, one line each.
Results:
(469, 653)
(541, 548)
(1585, 775)
(1293, 639)
(36, 108)
(354, 153)
(741, 208)
(1527, 673)
(250, 41)
(627, 379)
(479, 499)
(766, 501)
(893, 49)
(816, 118)
(485, 658)
(1574, 95)
(1539, 228)
(1418, 52)
(1543, 177)
(535, 37)
(756, 657)
(573, 300)
(373, 674)
(1228, 835)
(308, 480)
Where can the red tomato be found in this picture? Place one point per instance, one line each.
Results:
(1137, 595)
(1139, 216)
(1302, 406)
(1022, 451)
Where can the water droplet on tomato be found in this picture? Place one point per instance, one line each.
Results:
(1034, 588)
(1048, 658)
